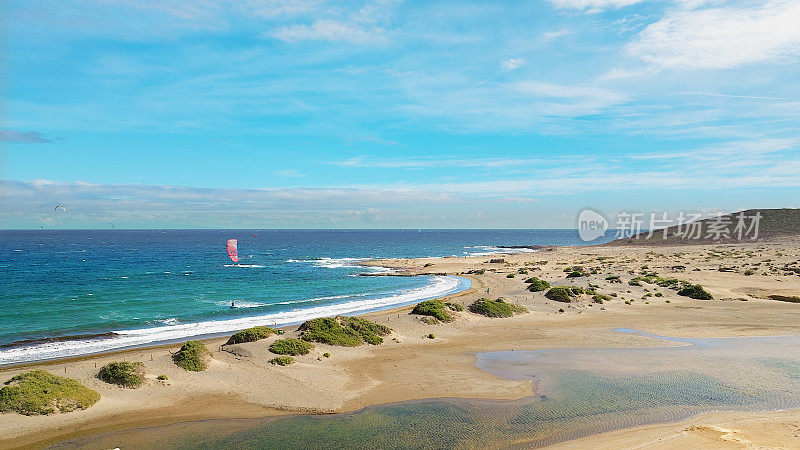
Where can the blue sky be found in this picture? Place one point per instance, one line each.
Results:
(374, 114)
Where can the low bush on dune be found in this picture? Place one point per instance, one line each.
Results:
(458, 307)
(563, 293)
(433, 308)
(537, 285)
(251, 335)
(192, 356)
(613, 279)
(576, 274)
(600, 298)
(785, 298)
(281, 360)
(123, 373)
(291, 346)
(39, 392)
(496, 308)
(695, 291)
(343, 331)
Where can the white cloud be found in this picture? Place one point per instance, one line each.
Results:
(593, 6)
(512, 64)
(326, 30)
(718, 38)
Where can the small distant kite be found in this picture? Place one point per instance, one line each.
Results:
(61, 208)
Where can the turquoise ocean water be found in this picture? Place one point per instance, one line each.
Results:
(74, 292)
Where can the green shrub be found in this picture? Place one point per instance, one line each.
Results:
(695, 291)
(627, 302)
(634, 282)
(192, 356)
(123, 373)
(613, 279)
(281, 360)
(560, 310)
(537, 285)
(291, 346)
(576, 274)
(430, 320)
(496, 308)
(251, 335)
(162, 378)
(659, 294)
(667, 301)
(433, 308)
(563, 293)
(431, 336)
(454, 306)
(326, 354)
(600, 298)
(749, 272)
(511, 275)
(39, 392)
(343, 331)
(522, 271)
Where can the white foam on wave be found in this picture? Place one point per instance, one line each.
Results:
(439, 286)
(489, 250)
(246, 266)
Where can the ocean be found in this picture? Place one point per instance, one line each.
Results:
(75, 292)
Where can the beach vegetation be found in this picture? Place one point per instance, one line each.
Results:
(431, 336)
(458, 307)
(326, 354)
(627, 302)
(162, 378)
(695, 291)
(522, 271)
(343, 331)
(281, 360)
(613, 279)
(123, 373)
(192, 356)
(434, 308)
(511, 275)
(560, 310)
(785, 298)
(600, 298)
(496, 308)
(563, 293)
(251, 335)
(291, 346)
(537, 285)
(39, 392)
(576, 274)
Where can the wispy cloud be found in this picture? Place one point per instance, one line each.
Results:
(326, 30)
(512, 64)
(24, 137)
(593, 6)
(553, 35)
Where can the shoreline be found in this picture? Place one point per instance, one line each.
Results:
(417, 368)
(356, 308)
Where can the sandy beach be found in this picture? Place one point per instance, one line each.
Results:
(241, 383)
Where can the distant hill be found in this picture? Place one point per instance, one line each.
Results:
(774, 224)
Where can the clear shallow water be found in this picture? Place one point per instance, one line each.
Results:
(151, 286)
(579, 392)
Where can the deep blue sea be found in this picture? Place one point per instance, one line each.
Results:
(74, 292)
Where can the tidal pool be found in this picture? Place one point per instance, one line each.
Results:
(578, 391)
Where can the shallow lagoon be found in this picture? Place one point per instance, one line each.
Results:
(579, 391)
